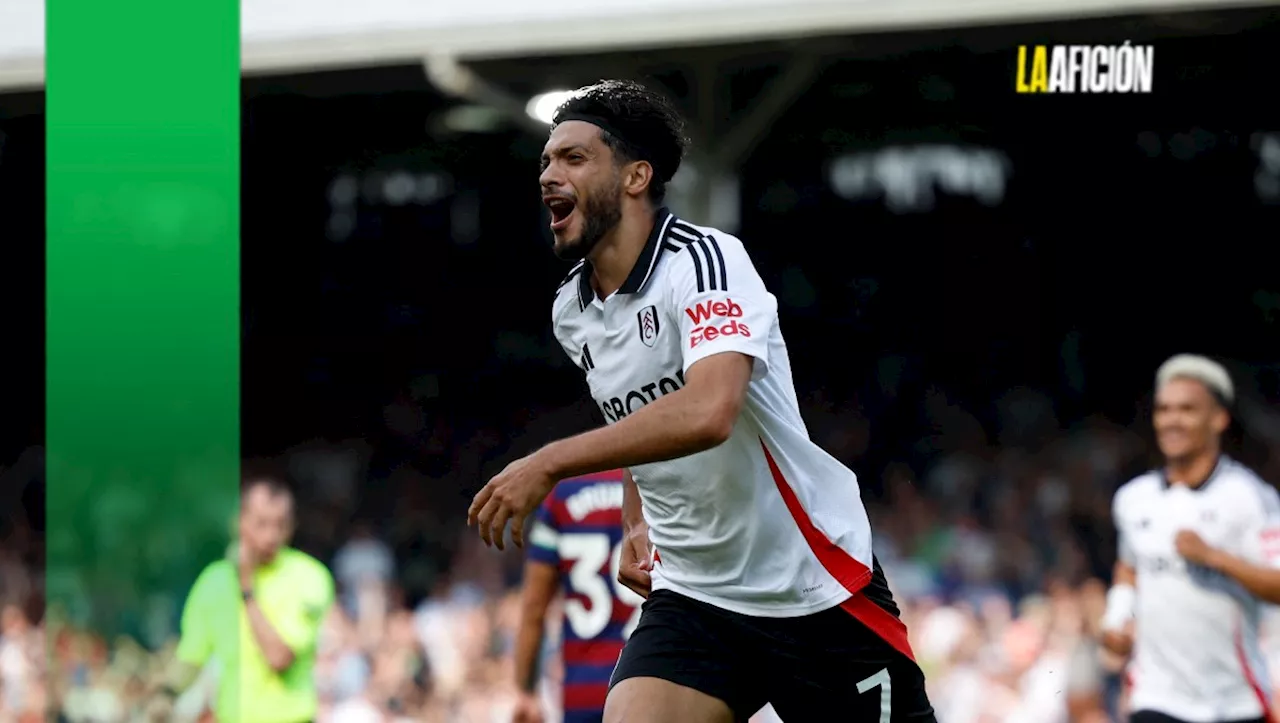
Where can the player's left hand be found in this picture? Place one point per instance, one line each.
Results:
(1192, 547)
(511, 496)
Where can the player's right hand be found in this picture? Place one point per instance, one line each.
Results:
(528, 709)
(636, 561)
(511, 497)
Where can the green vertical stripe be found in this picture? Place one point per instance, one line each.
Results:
(142, 302)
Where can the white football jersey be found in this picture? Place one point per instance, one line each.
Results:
(1196, 649)
(767, 523)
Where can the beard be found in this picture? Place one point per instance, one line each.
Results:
(601, 211)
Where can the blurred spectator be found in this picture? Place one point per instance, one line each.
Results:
(365, 563)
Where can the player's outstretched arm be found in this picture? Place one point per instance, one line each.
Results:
(1117, 620)
(695, 418)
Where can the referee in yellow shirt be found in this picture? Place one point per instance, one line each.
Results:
(259, 617)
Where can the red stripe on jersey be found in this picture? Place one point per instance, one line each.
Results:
(1267, 714)
(850, 573)
(585, 696)
(559, 511)
(591, 652)
(621, 611)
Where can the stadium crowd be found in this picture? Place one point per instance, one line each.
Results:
(996, 552)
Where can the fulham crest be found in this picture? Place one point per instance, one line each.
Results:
(647, 318)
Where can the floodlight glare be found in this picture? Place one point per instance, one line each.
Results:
(542, 107)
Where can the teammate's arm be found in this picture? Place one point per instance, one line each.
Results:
(1257, 566)
(1118, 617)
(1117, 620)
(1261, 582)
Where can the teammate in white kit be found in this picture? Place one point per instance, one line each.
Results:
(1199, 552)
(750, 543)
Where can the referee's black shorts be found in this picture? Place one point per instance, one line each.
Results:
(810, 668)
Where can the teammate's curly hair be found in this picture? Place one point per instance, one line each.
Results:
(649, 128)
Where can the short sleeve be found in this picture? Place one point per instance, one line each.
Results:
(566, 302)
(1261, 538)
(300, 628)
(1124, 550)
(544, 538)
(720, 303)
(196, 628)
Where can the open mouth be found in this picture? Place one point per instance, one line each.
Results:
(561, 209)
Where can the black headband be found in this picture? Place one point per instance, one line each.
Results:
(598, 121)
(603, 124)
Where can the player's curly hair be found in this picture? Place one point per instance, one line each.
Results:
(645, 126)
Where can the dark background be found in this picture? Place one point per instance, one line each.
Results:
(21, 313)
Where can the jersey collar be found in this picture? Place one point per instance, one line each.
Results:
(1217, 469)
(642, 271)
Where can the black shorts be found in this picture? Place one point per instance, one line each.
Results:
(810, 668)
(1150, 716)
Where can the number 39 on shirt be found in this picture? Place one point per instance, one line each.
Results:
(593, 574)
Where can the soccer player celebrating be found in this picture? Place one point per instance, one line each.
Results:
(1198, 557)
(750, 543)
(575, 545)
